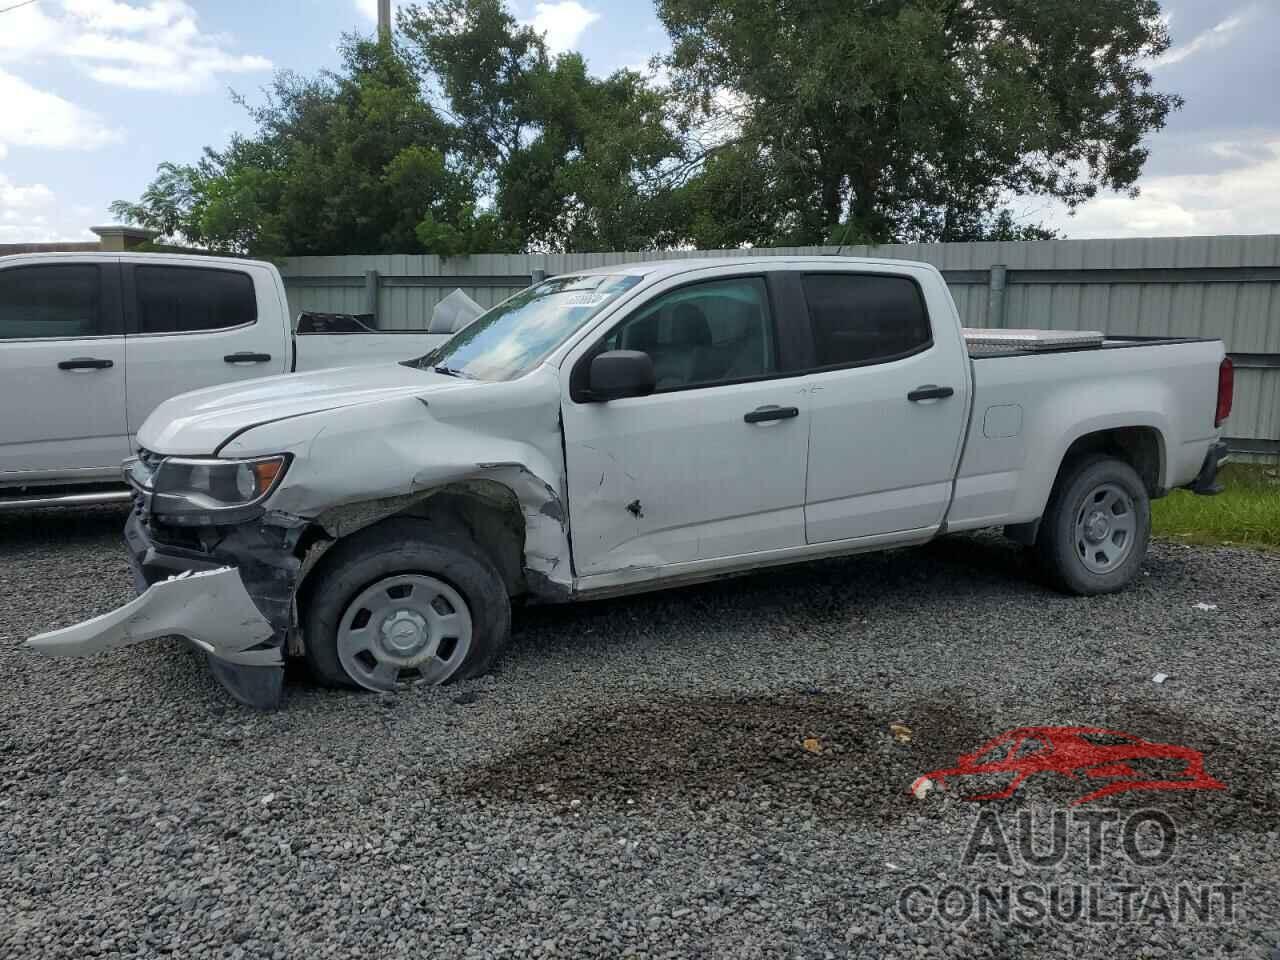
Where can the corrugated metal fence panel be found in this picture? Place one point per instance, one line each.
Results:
(1188, 298)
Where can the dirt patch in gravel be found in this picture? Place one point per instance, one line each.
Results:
(831, 758)
(1245, 762)
(817, 753)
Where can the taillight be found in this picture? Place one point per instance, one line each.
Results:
(1226, 390)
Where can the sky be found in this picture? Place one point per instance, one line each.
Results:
(94, 94)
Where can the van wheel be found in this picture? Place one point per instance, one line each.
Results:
(405, 602)
(1095, 530)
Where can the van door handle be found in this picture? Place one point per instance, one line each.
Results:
(765, 414)
(85, 363)
(247, 358)
(929, 392)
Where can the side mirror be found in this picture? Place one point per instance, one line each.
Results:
(621, 373)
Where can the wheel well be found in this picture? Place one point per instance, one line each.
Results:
(1140, 447)
(484, 511)
(489, 514)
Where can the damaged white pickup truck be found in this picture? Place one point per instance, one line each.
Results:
(634, 428)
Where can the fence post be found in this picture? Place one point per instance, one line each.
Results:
(537, 276)
(371, 294)
(995, 295)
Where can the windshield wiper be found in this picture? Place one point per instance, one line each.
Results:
(454, 372)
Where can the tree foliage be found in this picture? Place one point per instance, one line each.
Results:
(571, 161)
(784, 122)
(352, 160)
(869, 120)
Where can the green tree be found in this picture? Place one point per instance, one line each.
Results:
(355, 161)
(878, 120)
(570, 161)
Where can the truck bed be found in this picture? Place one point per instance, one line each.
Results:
(984, 344)
(1029, 405)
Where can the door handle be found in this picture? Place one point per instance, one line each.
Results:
(765, 414)
(84, 363)
(929, 392)
(247, 358)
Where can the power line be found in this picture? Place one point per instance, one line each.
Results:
(24, 3)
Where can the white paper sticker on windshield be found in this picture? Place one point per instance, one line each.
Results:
(586, 298)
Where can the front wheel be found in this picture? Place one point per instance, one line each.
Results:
(1096, 527)
(405, 602)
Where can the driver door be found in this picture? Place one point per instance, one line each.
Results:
(712, 464)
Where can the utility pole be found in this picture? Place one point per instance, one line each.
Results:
(384, 21)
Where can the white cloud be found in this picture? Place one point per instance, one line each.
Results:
(36, 118)
(1216, 37)
(563, 23)
(31, 213)
(369, 9)
(15, 198)
(157, 45)
(1242, 200)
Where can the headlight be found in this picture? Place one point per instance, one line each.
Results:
(197, 490)
(218, 484)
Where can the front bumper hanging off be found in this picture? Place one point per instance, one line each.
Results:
(197, 598)
(211, 608)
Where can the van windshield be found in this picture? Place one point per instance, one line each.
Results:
(518, 334)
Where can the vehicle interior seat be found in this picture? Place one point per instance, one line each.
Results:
(685, 350)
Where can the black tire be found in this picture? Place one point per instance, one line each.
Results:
(1061, 550)
(404, 546)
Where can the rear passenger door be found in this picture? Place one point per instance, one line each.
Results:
(62, 372)
(885, 433)
(192, 326)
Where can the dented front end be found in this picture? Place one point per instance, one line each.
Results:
(230, 579)
(228, 590)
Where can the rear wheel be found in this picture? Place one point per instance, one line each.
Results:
(1096, 527)
(405, 602)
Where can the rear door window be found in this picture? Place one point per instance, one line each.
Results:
(54, 301)
(192, 299)
(865, 318)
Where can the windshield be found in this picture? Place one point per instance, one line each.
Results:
(515, 336)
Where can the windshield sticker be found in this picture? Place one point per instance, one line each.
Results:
(586, 299)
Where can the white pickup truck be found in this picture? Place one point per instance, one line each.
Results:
(91, 343)
(633, 428)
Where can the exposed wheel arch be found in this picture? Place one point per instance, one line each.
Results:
(486, 512)
(1142, 448)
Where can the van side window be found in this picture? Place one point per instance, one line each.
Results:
(192, 299)
(865, 318)
(706, 333)
(57, 300)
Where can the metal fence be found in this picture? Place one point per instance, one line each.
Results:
(1226, 287)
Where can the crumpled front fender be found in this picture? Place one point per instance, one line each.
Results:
(211, 608)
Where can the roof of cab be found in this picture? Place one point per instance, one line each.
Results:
(83, 256)
(655, 269)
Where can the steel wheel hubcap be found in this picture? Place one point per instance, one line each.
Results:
(1106, 524)
(403, 629)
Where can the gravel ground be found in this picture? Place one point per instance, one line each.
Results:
(708, 772)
